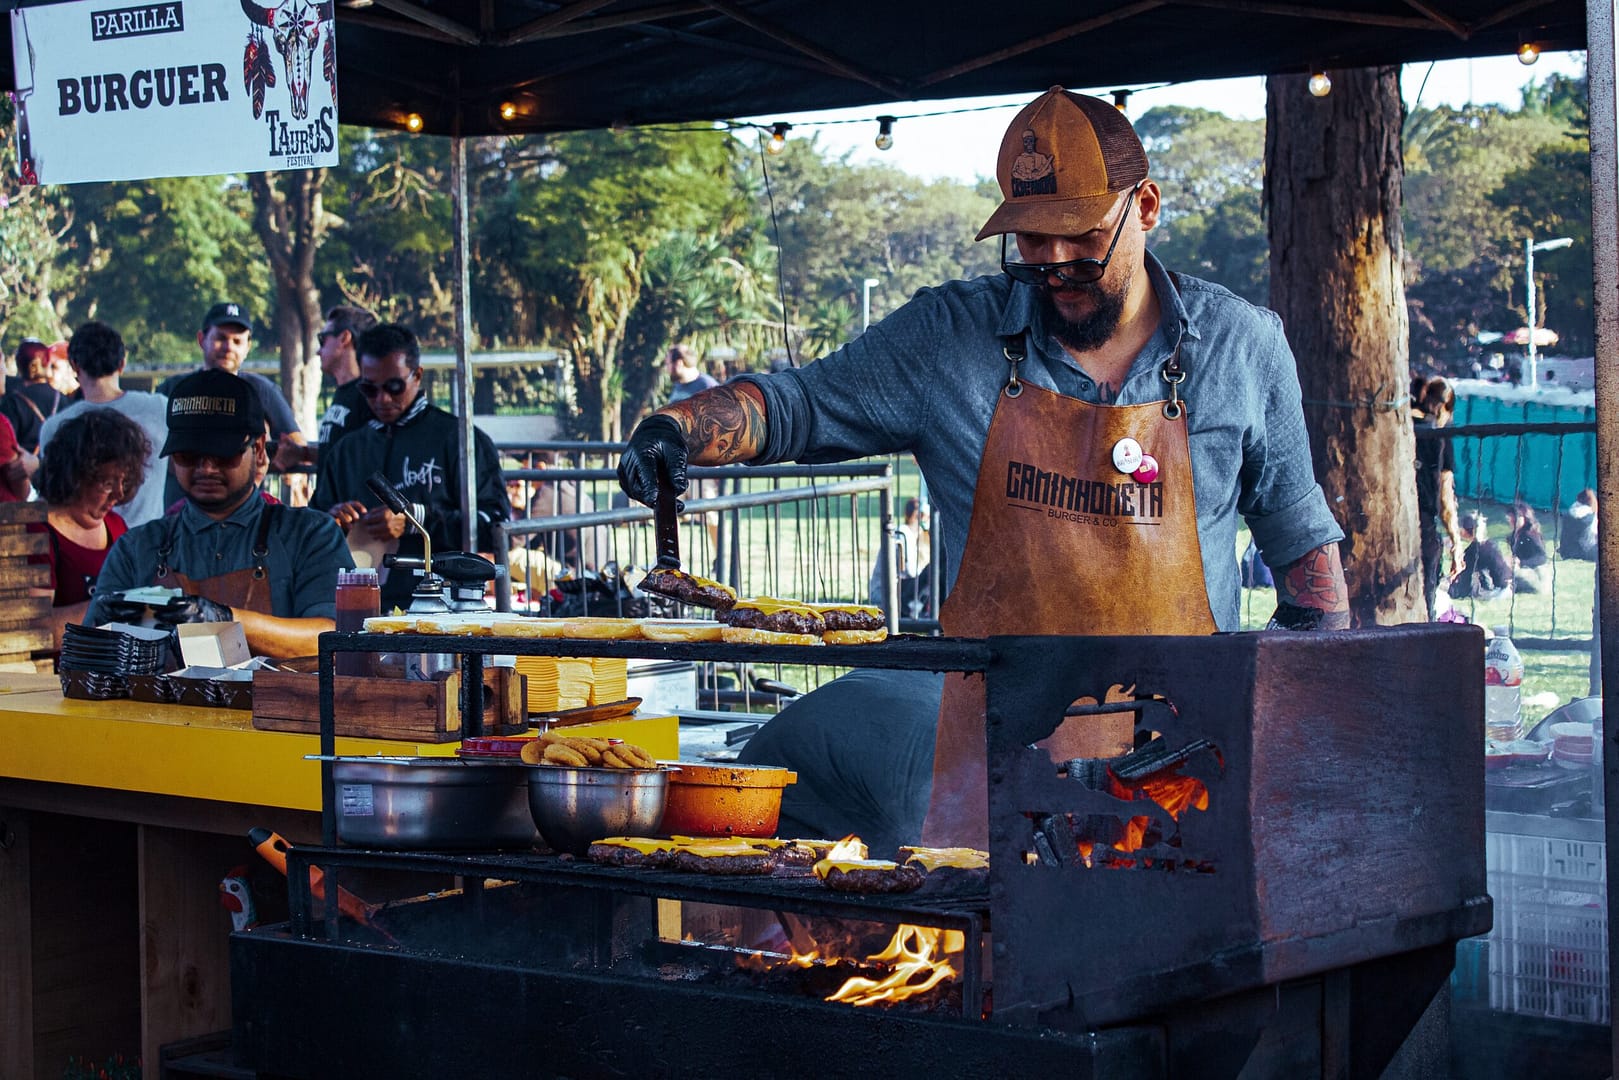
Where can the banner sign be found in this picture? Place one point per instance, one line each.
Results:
(125, 92)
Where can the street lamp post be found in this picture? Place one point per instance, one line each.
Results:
(865, 303)
(1529, 249)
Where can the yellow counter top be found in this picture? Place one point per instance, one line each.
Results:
(164, 749)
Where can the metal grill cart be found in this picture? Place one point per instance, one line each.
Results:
(1296, 918)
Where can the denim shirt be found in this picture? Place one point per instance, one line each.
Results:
(927, 380)
(306, 550)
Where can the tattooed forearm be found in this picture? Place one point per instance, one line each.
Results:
(723, 425)
(1311, 594)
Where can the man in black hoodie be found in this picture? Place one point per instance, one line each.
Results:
(415, 445)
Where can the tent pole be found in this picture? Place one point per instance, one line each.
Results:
(463, 344)
(1600, 58)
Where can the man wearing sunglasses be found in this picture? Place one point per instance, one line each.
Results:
(349, 411)
(415, 445)
(272, 568)
(1061, 412)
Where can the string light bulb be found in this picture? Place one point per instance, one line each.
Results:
(885, 133)
(1528, 53)
(1121, 98)
(778, 138)
(1320, 85)
(508, 110)
(413, 122)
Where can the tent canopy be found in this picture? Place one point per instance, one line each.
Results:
(598, 63)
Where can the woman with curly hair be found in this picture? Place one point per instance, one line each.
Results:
(96, 461)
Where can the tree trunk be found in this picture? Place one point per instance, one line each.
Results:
(290, 223)
(1333, 171)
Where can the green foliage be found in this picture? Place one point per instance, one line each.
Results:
(840, 224)
(1211, 170)
(1478, 182)
(569, 241)
(158, 252)
(32, 273)
(392, 249)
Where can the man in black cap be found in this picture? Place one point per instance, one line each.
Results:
(225, 339)
(272, 568)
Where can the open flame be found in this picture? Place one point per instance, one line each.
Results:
(919, 960)
(1173, 793)
(850, 849)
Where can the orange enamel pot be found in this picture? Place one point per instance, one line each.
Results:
(725, 800)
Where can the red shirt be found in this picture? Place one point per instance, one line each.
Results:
(8, 454)
(73, 567)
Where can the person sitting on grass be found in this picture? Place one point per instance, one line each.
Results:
(1486, 574)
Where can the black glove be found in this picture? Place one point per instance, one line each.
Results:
(124, 611)
(192, 609)
(657, 447)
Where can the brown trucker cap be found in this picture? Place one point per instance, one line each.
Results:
(1064, 160)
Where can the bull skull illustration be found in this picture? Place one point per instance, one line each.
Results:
(295, 27)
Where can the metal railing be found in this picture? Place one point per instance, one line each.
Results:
(811, 532)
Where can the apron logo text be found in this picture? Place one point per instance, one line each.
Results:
(1089, 502)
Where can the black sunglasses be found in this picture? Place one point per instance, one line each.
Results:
(1072, 272)
(324, 334)
(393, 387)
(188, 459)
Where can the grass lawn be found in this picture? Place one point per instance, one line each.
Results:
(1563, 612)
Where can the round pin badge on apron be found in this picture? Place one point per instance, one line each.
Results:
(1147, 471)
(1127, 455)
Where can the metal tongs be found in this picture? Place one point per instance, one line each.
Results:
(664, 578)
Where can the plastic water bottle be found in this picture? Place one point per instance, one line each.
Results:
(1503, 687)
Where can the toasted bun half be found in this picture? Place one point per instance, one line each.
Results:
(681, 630)
(529, 628)
(854, 637)
(741, 635)
(602, 629)
(390, 624)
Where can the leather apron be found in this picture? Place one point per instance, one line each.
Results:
(1063, 542)
(248, 588)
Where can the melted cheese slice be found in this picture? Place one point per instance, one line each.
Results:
(959, 858)
(645, 845)
(770, 605)
(824, 868)
(712, 847)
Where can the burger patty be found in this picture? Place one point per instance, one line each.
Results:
(872, 879)
(761, 862)
(786, 620)
(619, 855)
(852, 618)
(679, 585)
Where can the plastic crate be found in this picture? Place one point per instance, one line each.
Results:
(1560, 863)
(1548, 950)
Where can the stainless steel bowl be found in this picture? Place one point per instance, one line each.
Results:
(574, 807)
(411, 803)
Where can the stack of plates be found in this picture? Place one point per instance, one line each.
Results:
(115, 649)
(1573, 744)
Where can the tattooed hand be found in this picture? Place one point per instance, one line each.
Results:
(717, 427)
(723, 425)
(1311, 594)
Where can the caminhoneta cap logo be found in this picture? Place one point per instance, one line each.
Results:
(213, 412)
(1064, 161)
